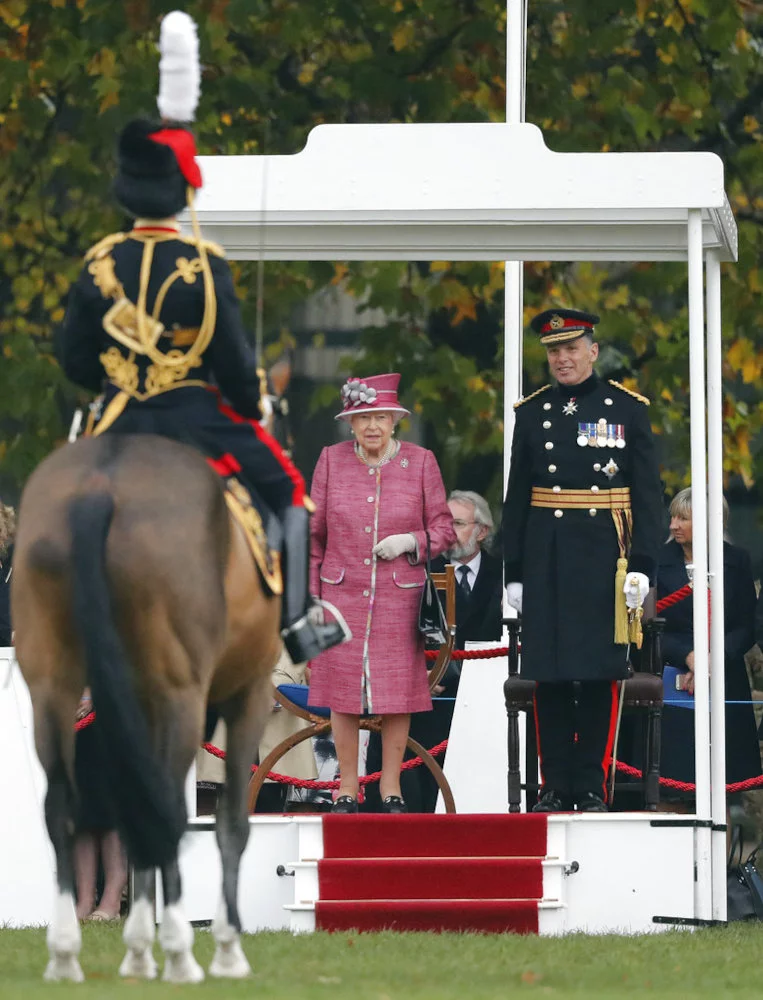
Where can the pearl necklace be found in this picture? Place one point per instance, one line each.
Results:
(389, 453)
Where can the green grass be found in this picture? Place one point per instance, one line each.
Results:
(715, 963)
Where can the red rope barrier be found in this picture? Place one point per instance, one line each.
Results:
(470, 654)
(687, 786)
(365, 779)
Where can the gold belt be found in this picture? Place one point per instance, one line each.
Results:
(616, 499)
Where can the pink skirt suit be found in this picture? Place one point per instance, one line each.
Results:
(382, 669)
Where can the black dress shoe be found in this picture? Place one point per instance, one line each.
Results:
(394, 804)
(552, 802)
(345, 804)
(590, 802)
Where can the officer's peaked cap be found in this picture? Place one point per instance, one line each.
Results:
(557, 325)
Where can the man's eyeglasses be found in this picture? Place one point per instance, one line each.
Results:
(462, 524)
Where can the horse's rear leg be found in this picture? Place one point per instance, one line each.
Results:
(140, 928)
(244, 718)
(182, 722)
(56, 751)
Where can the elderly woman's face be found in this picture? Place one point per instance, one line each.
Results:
(373, 430)
(680, 528)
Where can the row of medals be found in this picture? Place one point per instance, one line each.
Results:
(601, 435)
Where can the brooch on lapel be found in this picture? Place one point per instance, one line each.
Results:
(403, 463)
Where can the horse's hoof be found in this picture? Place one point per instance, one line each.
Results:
(230, 962)
(181, 969)
(64, 967)
(138, 965)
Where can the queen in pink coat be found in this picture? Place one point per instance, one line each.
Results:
(376, 498)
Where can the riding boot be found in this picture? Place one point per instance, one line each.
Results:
(304, 639)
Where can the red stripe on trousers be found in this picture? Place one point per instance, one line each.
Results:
(537, 741)
(298, 483)
(607, 761)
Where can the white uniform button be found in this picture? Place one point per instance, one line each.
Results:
(366, 593)
(597, 467)
(592, 512)
(368, 529)
(546, 424)
(366, 562)
(549, 445)
(594, 489)
(552, 468)
(607, 401)
(547, 406)
(370, 499)
(558, 513)
(557, 489)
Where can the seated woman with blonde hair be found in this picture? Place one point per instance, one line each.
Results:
(378, 501)
(673, 572)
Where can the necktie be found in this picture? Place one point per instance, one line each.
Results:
(463, 582)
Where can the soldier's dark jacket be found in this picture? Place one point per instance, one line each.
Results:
(154, 323)
(567, 558)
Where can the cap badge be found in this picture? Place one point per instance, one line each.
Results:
(556, 322)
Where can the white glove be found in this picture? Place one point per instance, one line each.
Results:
(514, 596)
(394, 545)
(635, 588)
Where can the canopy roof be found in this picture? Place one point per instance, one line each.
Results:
(482, 191)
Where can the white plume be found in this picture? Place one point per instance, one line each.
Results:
(179, 70)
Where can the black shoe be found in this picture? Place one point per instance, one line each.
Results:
(590, 802)
(552, 802)
(304, 640)
(394, 804)
(345, 804)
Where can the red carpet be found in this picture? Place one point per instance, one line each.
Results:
(431, 873)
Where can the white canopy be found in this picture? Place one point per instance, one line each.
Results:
(482, 191)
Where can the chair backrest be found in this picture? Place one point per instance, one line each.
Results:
(445, 582)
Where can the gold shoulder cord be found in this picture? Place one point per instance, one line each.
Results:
(631, 392)
(526, 399)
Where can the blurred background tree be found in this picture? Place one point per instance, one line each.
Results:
(628, 75)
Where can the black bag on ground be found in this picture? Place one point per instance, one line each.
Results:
(744, 886)
(432, 623)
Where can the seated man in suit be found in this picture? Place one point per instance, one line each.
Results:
(479, 596)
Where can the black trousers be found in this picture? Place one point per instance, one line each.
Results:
(575, 727)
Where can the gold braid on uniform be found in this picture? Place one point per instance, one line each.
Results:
(631, 392)
(526, 399)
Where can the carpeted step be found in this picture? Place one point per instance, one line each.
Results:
(490, 916)
(415, 835)
(430, 878)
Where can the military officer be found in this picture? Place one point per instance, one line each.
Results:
(154, 323)
(581, 529)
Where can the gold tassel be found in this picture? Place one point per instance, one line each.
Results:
(621, 609)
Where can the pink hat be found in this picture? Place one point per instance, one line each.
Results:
(369, 395)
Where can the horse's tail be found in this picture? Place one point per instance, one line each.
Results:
(150, 809)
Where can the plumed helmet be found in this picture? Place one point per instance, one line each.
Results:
(157, 160)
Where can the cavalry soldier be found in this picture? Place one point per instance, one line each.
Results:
(581, 529)
(154, 323)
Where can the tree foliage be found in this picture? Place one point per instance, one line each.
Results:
(628, 75)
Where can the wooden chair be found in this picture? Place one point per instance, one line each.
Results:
(293, 698)
(641, 692)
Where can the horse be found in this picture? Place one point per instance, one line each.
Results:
(131, 577)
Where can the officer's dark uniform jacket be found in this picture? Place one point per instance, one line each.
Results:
(167, 374)
(591, 438)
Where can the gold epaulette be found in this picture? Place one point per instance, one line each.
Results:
(209, 246)
(102, 247)
(526, 399)
(631, 392)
